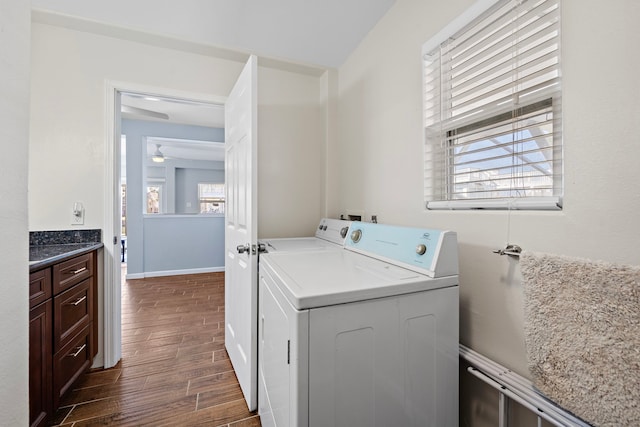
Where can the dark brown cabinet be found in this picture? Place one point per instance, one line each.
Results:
(61, 331)
(40, 362)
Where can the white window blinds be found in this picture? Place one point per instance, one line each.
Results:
(493, 111)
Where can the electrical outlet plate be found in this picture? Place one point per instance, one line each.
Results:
(77, 219)
(355, 215)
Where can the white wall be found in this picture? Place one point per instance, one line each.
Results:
(14, 138)
(291, 154)
(67, 147)
(377, 157)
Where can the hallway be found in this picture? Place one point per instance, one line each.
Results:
(174, 369)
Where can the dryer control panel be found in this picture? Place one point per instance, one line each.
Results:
(333, 230)
(427, 251)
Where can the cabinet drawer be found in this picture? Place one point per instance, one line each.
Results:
(70, 362)
(39, 287)
(68, 273)
(73, 310)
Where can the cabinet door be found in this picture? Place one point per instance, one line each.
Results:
(39, 287)
(40, 362)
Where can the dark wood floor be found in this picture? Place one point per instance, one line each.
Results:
(174, 369)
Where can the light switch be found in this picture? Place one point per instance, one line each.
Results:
(77, 214)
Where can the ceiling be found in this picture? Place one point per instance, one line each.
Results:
(321, 33)
(173, 110)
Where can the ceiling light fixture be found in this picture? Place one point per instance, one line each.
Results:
(157, 156)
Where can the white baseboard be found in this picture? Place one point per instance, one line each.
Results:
(174, 272)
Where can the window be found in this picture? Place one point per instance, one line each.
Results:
(493, 110)
(154, 199)
(123, 199)
(211, 197)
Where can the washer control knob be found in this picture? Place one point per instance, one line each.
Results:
(356, 235)
(421, 249)
(343, 232)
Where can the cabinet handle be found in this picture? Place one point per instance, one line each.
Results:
(78, 301)
(78, 351)
(80, 270)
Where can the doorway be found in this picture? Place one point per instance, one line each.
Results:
(174, 153)
(154, 106)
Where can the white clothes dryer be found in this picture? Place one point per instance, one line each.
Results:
(363, 336)
(330, 234)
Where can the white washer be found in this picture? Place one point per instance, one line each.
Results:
(364, 336)
(330, 234)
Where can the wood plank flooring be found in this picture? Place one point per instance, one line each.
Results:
(174, 369)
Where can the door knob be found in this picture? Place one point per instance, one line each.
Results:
(244, 248)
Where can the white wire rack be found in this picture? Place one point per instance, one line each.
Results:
(512, 386)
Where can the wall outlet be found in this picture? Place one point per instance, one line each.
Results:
(355, 214)
(77, 214)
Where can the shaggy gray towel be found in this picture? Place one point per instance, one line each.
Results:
(582, 335)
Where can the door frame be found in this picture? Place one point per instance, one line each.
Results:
(112, 334)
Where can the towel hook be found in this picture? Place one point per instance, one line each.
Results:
(511, 250)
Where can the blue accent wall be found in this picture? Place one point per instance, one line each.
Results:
(187, 180)
(181, 242)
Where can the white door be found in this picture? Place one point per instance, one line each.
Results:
(241, 261)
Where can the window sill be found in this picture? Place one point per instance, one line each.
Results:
(528, 204)
(168, 215)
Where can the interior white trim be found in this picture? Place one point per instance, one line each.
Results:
(527, 203)
(111, 236)
(461, 21)
(175, 272)
(166, 216)
(112, 266)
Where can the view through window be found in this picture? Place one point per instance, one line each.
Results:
(154, 194)
(211, 197)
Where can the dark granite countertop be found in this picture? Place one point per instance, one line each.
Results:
(41, 256)
(50, 247)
